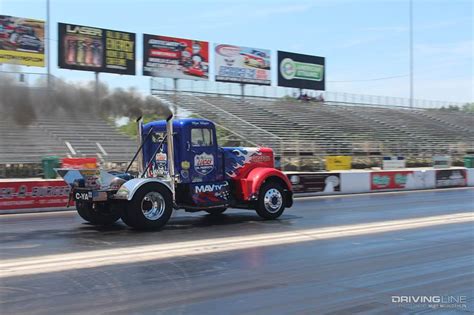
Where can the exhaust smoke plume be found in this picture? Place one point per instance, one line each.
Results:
(24, 104)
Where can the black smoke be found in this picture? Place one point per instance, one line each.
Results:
(24, 104)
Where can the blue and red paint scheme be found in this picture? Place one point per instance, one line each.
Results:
(208, 175)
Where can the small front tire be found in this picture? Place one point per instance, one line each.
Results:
(271, 201)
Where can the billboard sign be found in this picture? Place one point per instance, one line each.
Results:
(451, 178)
(95, 49)
(389, 180)
(301, 71)
(172, 57)
(338, 162)
(21, 41)
(315, 182)
(242, 64)
(33, 194)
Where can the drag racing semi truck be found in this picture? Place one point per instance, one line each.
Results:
(180, 166)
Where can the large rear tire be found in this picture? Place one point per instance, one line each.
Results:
(99, 214)
(150, 208)
(271, 201)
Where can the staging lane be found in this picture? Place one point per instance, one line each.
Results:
(335, 274)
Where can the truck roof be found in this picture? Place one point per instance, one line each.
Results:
(179, 123)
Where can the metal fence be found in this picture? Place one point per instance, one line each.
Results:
(232, 89)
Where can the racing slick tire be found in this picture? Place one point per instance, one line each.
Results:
(216, 211)
(98, 215)
(271, 200)
(150, 208)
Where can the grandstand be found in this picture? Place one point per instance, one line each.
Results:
(294, 129)
(63, 134)
(316, 129)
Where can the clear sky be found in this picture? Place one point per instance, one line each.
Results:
(363, 41)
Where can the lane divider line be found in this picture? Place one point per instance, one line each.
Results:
(127, 255)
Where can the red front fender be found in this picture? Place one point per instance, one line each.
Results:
(251, 184)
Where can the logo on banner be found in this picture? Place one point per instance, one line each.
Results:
(291, 69)
(204, 163)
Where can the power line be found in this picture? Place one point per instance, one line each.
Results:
(374, 79)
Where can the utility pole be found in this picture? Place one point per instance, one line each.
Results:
(48, 47)
(411, 53)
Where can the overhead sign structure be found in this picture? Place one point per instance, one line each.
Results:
(242, 64)
(177, 58)
(21, 41)
(96, 49)
(301, 71)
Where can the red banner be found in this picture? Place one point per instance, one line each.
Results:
(389, 180)
(78, 163)
(33, 194)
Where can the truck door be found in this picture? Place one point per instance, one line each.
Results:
(202, 150)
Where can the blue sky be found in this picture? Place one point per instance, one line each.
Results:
(361, 40)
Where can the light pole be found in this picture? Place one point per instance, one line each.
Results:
(48, 47)
(411, 53)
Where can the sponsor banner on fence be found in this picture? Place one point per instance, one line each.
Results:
(173, 57)
(451, 178)
(33, 194)
(242, 64)
(301, 71)
(315, 182)
(21, 41)
(338, 162)
(95, 49)
(441, 161)
(389, 180)
(393, 162)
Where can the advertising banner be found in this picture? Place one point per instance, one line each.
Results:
(95, 49)
(393, 162)
(301, 71)
(79, 163)
(441, 161)
(338, 162)
(389, 180)
(33, 194)
(173, 57)
(315, 182)
(242, 64)
(21, 41)
(451, 178)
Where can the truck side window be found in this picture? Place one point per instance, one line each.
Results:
(201, 137)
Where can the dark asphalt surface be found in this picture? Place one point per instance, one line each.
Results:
(347, 275)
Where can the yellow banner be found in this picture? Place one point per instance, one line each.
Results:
(338, 162)
(22, 58)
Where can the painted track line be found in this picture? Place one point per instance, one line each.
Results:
(127, 255)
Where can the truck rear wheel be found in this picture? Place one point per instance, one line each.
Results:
(271, 201)
(98, 215)
(150, 208)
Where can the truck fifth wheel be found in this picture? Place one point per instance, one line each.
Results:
(181, 166)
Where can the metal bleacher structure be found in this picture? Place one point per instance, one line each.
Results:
(311, 130)
(297, 131)
(64, 135)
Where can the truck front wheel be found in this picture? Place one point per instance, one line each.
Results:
(98, 214)
(271, 201)
(150, 208)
